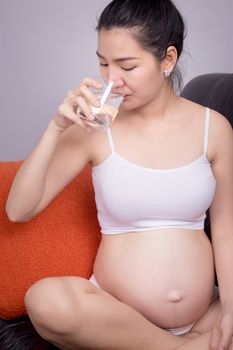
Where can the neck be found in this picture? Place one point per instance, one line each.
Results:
(159, 108)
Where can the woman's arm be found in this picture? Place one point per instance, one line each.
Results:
(221, 211)
(54, 162)
(61, 153)
(221, 218)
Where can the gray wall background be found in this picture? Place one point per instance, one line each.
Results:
(48, 46)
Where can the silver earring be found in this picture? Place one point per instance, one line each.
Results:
(167, 73)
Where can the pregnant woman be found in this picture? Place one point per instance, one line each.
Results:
(156, 170)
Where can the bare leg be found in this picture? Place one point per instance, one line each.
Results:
(74, 314)
(200, 342)
(208, 320)
(202, 330)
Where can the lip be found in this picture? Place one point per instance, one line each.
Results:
(123, 94)
(119, 92)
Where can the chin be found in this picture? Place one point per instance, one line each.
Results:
(129, 104)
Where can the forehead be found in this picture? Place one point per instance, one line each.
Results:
(118, 41)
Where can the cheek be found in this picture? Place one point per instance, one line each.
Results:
(153, 82)
(147, 80)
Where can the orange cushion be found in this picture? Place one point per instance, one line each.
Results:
(62, 240)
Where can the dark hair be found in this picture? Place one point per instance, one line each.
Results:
(155, 24)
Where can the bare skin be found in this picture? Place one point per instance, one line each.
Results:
(153, 129)
(92, 318)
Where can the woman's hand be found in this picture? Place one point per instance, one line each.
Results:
(222, 336)
(76, 104)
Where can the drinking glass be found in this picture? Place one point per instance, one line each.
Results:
(109, 105)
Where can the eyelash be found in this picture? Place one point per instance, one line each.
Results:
(126, 69)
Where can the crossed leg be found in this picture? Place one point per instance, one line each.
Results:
(200, 334)
(72, 313)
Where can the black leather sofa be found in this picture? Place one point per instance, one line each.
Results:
(213, 90)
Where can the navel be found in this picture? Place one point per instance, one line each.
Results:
(175, 296)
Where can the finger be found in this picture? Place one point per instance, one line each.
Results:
(78, 106)
(85, 123)
(215, 338)
(89, 96)
(71, 101)
(227, 332)
(226, 338)
(84, 109)
(69, 93)
(78, 103)
(87, 82)
(66, 111)
(69, 111)
(91, 82)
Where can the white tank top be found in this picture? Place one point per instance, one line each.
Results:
(133, 198)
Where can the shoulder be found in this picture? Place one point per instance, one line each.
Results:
(193, 110)
(217, 120)
(220, 128)
(219, 123)
(220, 136)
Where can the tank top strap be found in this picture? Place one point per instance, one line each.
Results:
(110, 140)
(207, 122)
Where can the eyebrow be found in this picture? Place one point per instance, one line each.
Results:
(120, 59)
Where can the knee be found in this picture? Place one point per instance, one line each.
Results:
(56, 303)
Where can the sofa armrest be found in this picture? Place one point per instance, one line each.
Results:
(20, 334)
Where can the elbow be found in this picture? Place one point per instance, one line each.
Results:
(14, 217)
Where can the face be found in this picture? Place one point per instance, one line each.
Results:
(137, 74)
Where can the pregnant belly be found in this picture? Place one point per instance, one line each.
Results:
(167, 275)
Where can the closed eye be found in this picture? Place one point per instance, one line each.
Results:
(126, 69)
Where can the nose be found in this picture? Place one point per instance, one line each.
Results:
(117, 80)
(117, 85)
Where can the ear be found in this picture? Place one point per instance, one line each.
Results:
(170, 59)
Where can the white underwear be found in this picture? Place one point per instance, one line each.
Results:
(187, 329)
(179, 330)
(92, 279)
